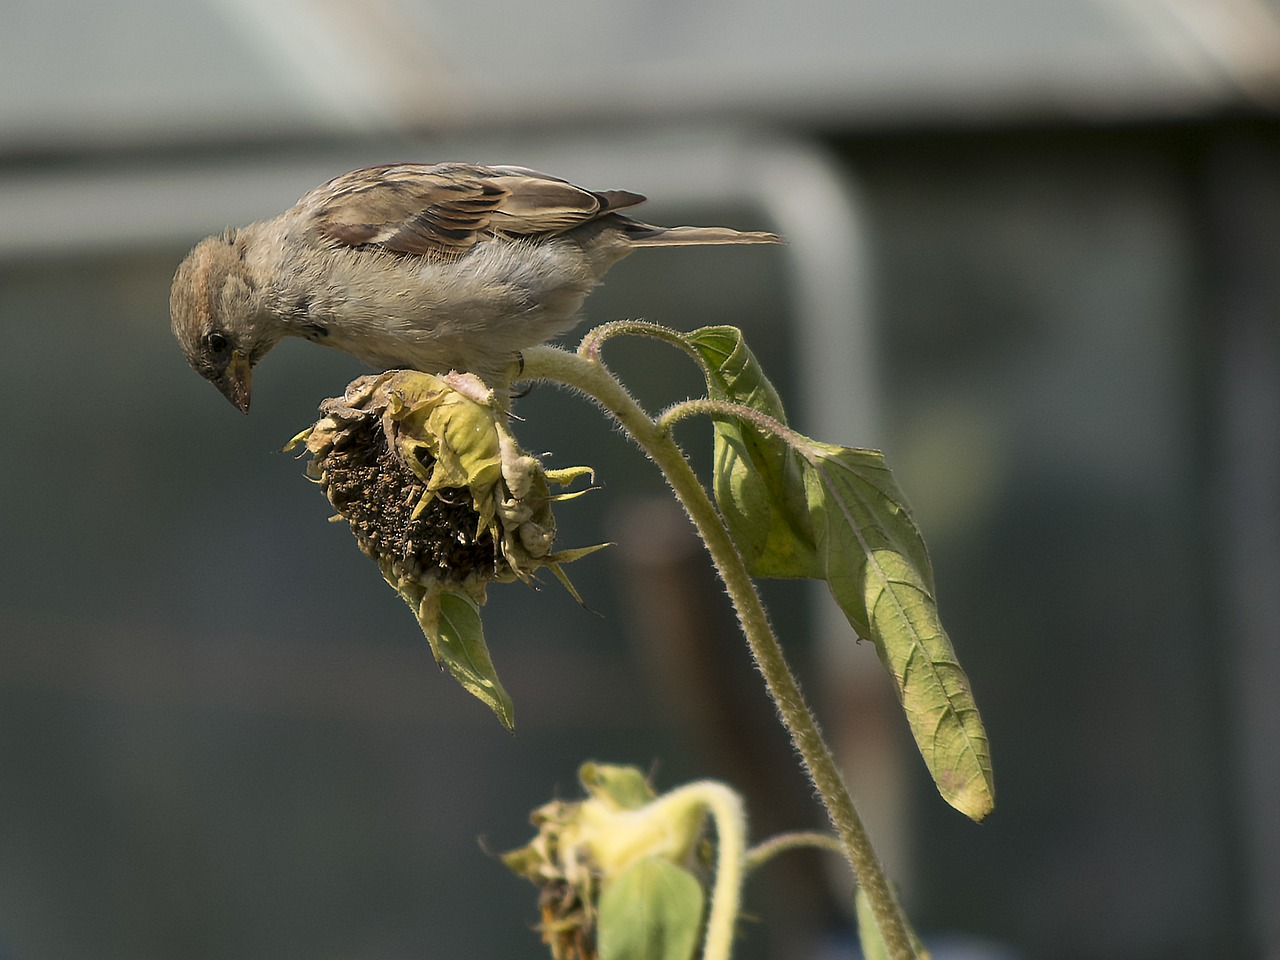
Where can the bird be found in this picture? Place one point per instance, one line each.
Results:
(432, 267)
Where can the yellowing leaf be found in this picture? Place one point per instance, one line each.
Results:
(877, 568)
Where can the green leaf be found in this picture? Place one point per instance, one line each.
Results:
(450, 620)
(461, 648)
(650, 911)
(869, 938)
(759, 484)
(877, 567)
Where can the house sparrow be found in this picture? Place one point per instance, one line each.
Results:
(441, 267)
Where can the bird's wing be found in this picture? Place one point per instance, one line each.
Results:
(443, 210)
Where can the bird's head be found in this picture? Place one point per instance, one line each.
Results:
(217, 317)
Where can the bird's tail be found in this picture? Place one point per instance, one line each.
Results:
(648, 235)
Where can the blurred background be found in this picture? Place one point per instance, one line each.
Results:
(1033, 250)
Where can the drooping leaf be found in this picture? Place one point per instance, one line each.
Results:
(878, 570)
(652, 910)
(465, 655)
(759, 485)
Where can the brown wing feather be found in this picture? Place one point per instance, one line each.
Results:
(445, 209)
(437, 210)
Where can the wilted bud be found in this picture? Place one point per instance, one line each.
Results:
(440, 496)
(623, 865)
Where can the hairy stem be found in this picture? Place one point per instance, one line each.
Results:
(586, 373)
(596, 337)
(766, 850)
(725, 408)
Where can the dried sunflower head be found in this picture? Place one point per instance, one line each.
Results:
(439, 494)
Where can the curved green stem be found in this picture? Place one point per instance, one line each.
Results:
(596, 337)
(585, 372)
(725, 807)
(725, 408)
(766, 850)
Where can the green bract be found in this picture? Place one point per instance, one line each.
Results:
(439, 494)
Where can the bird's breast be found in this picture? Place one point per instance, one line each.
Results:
(468, 313)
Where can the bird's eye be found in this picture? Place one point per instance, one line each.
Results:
(215, 342)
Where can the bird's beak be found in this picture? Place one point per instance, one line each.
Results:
(236, 382)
